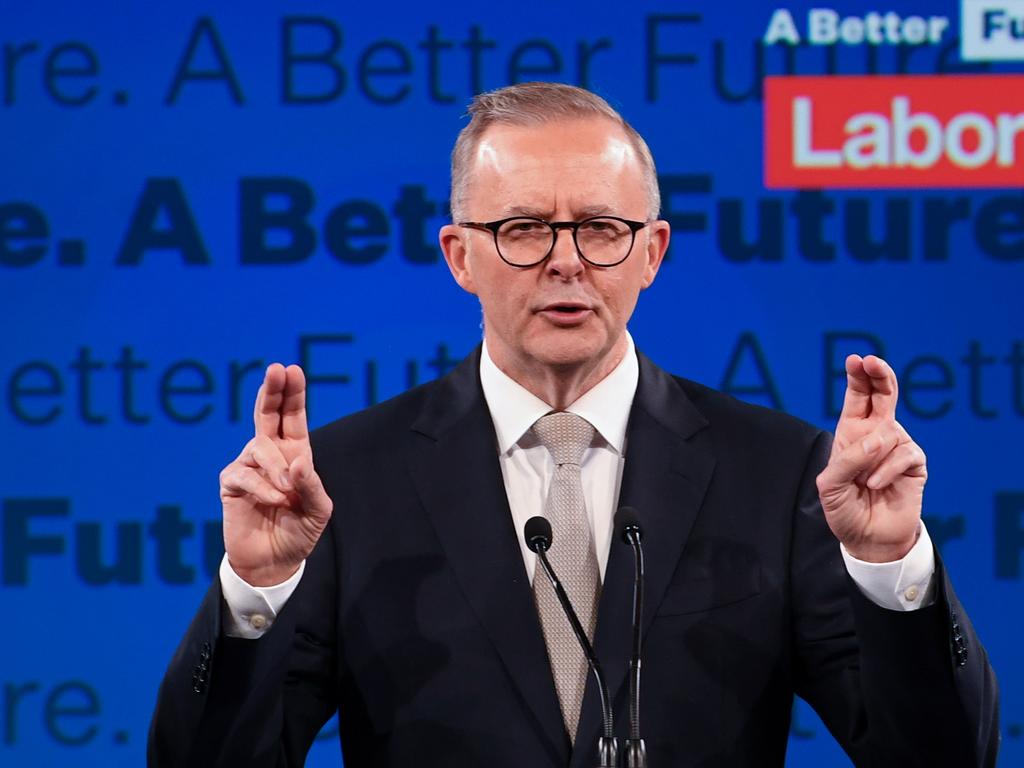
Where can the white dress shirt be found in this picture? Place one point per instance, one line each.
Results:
(527, 469)
(527, 466)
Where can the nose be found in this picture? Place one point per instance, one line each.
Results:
(564, 260)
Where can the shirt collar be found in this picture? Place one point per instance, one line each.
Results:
(606, 405)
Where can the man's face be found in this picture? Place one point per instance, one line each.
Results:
(563, 313)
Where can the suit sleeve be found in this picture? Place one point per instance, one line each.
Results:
(228, 701)
(894, 688)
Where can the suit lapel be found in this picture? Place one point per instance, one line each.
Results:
(665, 477)
(455, 467)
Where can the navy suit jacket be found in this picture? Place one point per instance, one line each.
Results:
(415, 617)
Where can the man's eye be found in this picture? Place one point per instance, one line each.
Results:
(602, 227)
(524, 227)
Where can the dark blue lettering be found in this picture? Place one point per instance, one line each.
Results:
(169, 531)
(204, 29)
(1009, 534)
(320, 61)
(55, 68)
(23, 234)
(354, 220)
(368, 68)
(127, 565)
(57, 708)
(17, 391)
(287, 219)
(765, 388)
(170, 389)
(162, 198)
(19, 544)
(655, 58)
(914, 381)
(683, 184)
(307, 345)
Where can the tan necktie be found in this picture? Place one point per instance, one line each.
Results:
(567, 436)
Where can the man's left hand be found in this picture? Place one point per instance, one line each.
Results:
(872, 488)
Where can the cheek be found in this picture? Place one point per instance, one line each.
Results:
(619, 292)
(482, 273)
(501, 295)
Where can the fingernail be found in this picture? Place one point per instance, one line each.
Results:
(870, 445)
(286, 482)
(874, 482)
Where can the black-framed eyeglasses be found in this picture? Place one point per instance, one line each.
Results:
(525, 241)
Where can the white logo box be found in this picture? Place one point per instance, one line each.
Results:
(992, 30)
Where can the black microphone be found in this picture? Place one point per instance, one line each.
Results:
(537, 533)
(628, 527)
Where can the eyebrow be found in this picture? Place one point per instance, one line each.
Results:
(537, 213)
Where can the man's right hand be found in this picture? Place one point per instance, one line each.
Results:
(275, 506)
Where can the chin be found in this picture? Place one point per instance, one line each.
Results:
(569, 351)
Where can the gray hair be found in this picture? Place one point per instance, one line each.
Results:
(535, 104)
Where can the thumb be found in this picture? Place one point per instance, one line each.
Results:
(309, 487)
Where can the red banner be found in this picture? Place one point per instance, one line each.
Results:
(904, 131)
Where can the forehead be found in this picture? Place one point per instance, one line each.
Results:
(561, 166)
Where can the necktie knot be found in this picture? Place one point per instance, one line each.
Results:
(565, 435)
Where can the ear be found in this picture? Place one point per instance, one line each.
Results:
(657, 243)
(454, 241)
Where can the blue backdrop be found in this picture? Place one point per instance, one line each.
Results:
(191, 190)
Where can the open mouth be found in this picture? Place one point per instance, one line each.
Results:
(566, 314)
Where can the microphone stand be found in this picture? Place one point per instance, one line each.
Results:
(635, 751)
(607, 748)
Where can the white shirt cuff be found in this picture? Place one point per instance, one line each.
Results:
(252, 610)
(903, 585)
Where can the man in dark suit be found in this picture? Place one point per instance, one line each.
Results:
(377, 567)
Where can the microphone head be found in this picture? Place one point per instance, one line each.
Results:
(627, 522)
(537, 533)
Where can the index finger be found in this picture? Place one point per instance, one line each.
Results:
(871, 388)
(267, 412)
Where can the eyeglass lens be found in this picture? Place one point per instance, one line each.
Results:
(600, 240)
